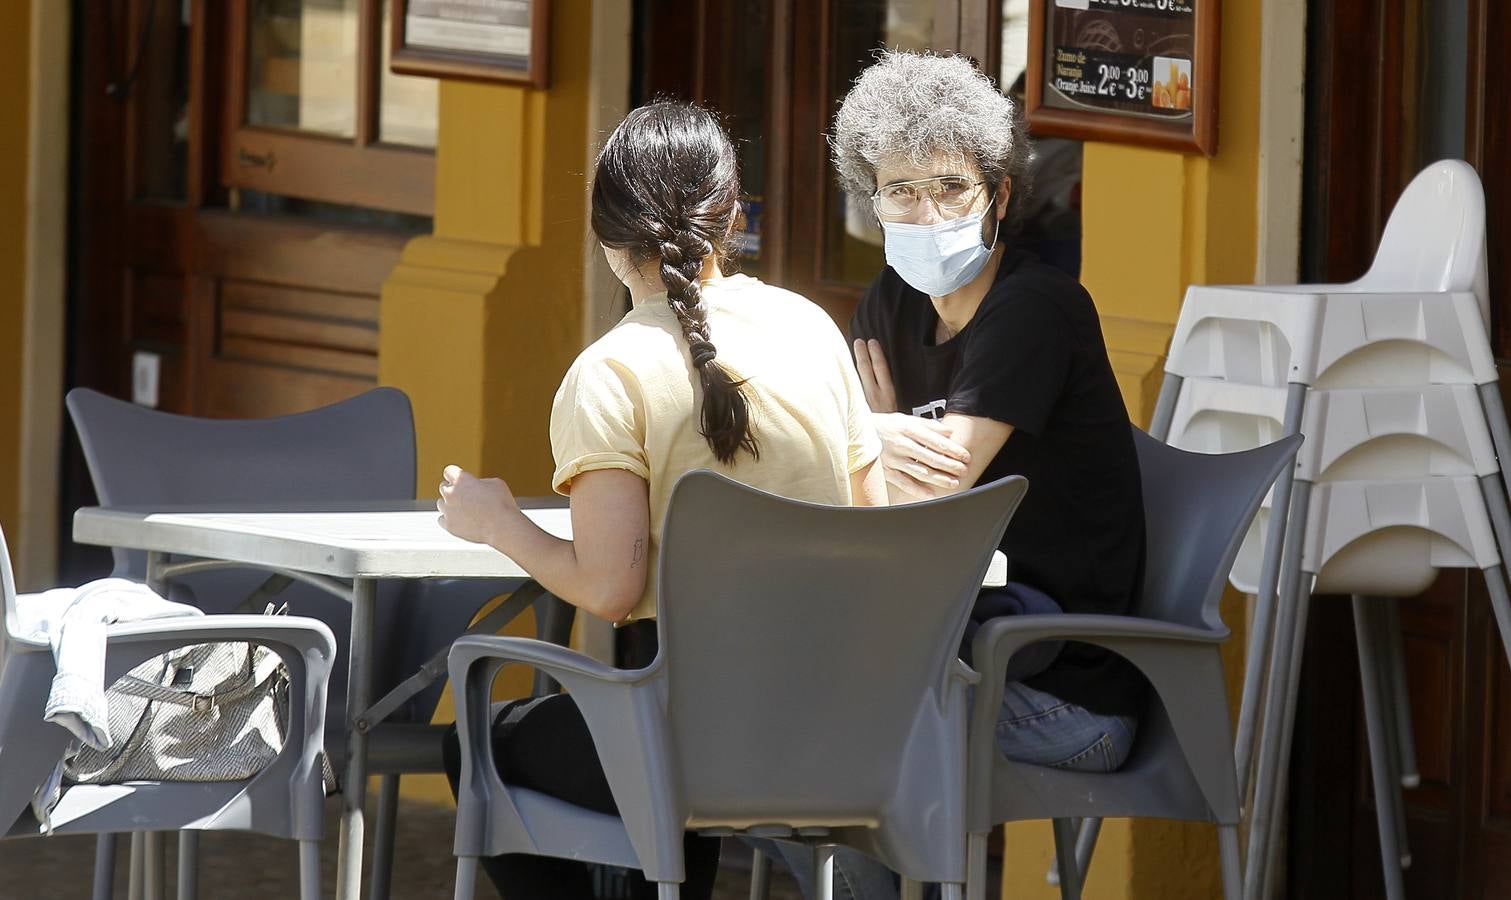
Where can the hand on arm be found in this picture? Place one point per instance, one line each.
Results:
(982, 438)
(920, 458)
(601, 570)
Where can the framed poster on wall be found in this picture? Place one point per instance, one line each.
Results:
(1127, 71)
(481, 40)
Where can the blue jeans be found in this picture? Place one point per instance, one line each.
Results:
(1033, 727)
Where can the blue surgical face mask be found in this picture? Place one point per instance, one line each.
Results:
(941, 258)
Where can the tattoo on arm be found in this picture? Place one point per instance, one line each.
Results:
(636, 553)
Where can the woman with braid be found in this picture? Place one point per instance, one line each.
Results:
(707, 370)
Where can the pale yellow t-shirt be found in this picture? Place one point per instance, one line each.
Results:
(631, 401)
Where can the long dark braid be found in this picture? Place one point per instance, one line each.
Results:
(667, 186)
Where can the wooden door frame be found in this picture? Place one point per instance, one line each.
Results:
(34, 549)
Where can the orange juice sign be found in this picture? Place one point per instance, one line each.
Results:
(1121, 56)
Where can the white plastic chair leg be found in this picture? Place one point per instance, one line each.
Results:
(152, 865)
(104, 867)
(136, 868)
(1065, 856)
(381, 879)
(1500, 603)
(466, 877)
(668, 890)
(1279, 704)
(309, 870)
(1390, 669)
(1493, 488)
(1087, 831)
(1052, 874)
(1164, 407)
(1500, 431)
(951, 891)
(823, 872)
(760, 876)
(188, 865)
(1387, 792)
(1086, 844)
(975, 866)
(1266, 602)
(1232, 875)
(1400, 692)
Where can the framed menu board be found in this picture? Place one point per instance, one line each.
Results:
(1129, 71)
(482, 40)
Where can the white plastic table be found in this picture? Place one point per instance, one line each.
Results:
(327, 544)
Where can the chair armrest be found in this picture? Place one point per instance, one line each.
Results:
(1182, 664)
(560, 662)
(1014, 632)
(310, 639)
(625, 714)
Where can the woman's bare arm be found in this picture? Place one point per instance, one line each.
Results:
(601, 570)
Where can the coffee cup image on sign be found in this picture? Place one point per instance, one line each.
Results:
(1172, 83)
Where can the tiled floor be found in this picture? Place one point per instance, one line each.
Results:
(251, 867)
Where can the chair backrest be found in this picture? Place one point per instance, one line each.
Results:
(1197, 508)
(1435, 237)
(362, 448)
(805, 644)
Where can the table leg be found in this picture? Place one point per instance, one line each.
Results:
(358, 698)
(153, 859)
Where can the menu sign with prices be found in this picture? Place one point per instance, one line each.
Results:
(1136, 71)
(482, 40)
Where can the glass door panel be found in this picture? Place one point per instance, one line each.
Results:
(303, 57)
(407, 104)
(157, 87)
(852, 244)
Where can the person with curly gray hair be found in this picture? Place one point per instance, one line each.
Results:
(979, 361)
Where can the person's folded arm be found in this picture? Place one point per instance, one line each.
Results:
(601, 570)
(981, 437)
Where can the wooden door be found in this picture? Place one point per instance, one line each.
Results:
(1392, 86)
(217, 225)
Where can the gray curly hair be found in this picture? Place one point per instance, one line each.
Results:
(920, 106)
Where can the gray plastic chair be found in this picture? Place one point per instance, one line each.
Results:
(360, 449)
(1197, 508)
(286, 799)
(806, 687)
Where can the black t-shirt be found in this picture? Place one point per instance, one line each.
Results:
(1033, 357)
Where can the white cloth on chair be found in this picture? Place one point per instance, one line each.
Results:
(73, 622)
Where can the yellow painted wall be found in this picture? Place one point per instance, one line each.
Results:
(1155, 222)
(14, 91)
(480, 319)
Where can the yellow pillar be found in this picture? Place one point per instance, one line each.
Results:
(1153, 223)
(480, 319)
(15, 85)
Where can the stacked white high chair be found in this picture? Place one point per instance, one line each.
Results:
(1392, 381)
